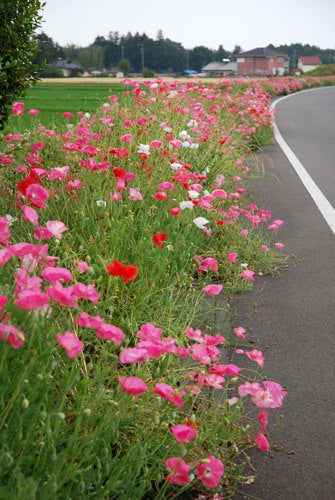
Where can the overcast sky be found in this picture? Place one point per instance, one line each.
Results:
(248, 23)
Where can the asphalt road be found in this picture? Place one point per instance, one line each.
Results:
(295, 319)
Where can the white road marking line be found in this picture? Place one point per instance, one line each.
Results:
(319, 198)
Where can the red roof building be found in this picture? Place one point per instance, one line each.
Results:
(307, 63)
(261, 62)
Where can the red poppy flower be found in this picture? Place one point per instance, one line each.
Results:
(158, 239)
(119, 152)
(32, 178)
(119, 172)
(116, 268)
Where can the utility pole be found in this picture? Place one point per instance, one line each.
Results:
(142, 57)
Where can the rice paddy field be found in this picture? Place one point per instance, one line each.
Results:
(71, 95)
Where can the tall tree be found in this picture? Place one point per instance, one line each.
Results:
(221, 53)
(200, 56)
(19, 21)
(91, 57)
(47, 50)
(236, 51)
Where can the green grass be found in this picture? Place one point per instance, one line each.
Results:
(52, 99)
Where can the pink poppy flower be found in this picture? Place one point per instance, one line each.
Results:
(33, 112)
(88, 292)
(67, 114)
(212, 289)
(276, 392)
(42, 233)
(56, 227)
(208, 264)
(193, 334)
(149, 332)
(133, 355)
(116, 196)
(175, 143)
(58, 173)
(4, 230)
(240, 332)
(210, 471)
(74, 184)
(107, 331)
(263, 419)
(257, 356)
(178, 471)
(160, 196)
(214, 380)
(12, 335)
(35, 147)
(61, 295)
(156, 144)
(70, 342)
(279, 246)
(270, 397)
(153, 350)
(126, 138)
(30, 214)
(276, 224)
(183, 433)
(132, 385)
(219, 193)
(175, 211)
(230, 369)
(262, 442)
(82, 266)
(204, 354)
(22, 249)
(248, 274)
(29, 299)
(3, 301)
(37, 195)
(53, 274)
(135, 195)
(119, 152)
(165, 186)
(18, 108)
(26, 282)
(233, 257)
(168, 392)
(87, 321)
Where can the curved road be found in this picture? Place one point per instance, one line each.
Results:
(295, 319)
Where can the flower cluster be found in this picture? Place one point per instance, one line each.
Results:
(134, 217)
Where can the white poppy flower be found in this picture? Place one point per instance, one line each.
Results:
(200, 222)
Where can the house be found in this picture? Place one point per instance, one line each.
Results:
(307, 63)
(67, 67)
(221, 68)
(262, 62)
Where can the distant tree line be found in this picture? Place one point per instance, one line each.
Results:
(140, 53)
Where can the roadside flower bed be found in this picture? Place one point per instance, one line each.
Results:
(122, 239)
